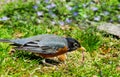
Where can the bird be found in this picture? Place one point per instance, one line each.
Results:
(46, 45)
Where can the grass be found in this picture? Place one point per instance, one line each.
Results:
(99, 61)
(25, 64)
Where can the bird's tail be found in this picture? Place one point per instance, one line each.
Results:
(5, 40)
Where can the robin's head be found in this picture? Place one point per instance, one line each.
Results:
(74, 44)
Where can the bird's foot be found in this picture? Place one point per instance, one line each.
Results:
(45, 63)
(49, 62)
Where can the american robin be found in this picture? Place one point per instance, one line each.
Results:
(46, 45)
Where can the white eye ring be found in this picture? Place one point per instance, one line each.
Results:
(75, 44)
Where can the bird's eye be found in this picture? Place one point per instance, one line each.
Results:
(75, 45)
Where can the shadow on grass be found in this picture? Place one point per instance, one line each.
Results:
(31, 56)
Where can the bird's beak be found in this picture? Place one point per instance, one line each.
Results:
(82, 49)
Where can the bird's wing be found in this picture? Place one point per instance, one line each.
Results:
(45, 48)
(41, 44)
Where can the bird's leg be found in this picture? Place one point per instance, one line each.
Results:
(46, 63)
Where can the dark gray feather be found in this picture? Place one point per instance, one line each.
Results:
(46, 44)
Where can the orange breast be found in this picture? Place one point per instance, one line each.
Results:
(59, 52)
